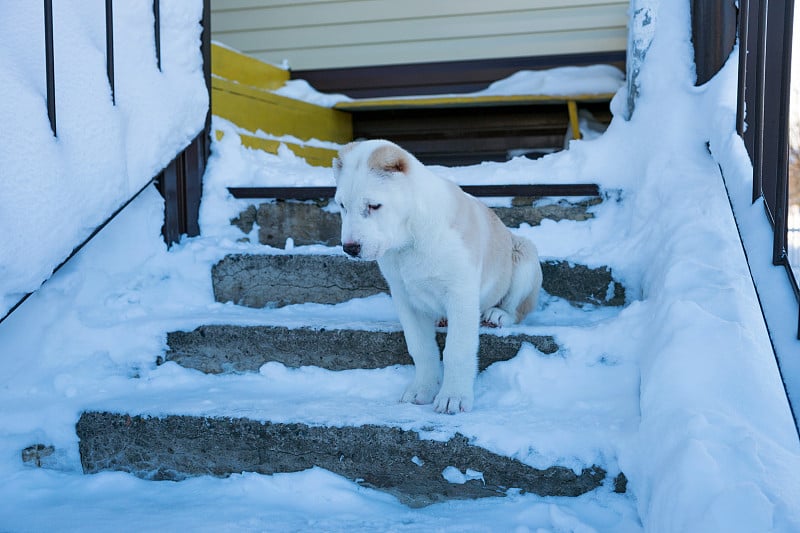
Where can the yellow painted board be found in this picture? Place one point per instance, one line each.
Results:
(254, 110)
(431, 102)
(236, 66)
(314, 155)
(574, 122)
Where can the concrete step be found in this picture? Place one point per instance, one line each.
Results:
(222, 349)
(279, 280)
(386, 458)
(313, 222)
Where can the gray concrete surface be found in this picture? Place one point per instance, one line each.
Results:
(309, 223)
(278, 280)
(384, 458)
(221, 349)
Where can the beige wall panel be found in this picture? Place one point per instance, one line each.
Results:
(431, 30)
(344, 12)
(454, 6)
(457, 49)
(335, 33)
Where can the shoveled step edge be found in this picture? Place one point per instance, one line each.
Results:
(286, 279)
(217, 349)
(312, 223)
(390, 459)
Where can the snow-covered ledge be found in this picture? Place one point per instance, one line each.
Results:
(717, 447)
(54, 191)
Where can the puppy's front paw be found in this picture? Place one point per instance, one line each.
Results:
(496, 317)
(420, 393)
(453, 401)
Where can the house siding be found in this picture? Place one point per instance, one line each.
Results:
(316, 34)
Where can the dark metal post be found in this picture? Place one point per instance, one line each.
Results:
(713, 35)
(744, 29)
(781, 177)
(110, 48)
(759, 108)
(181, 182)
(50, 64)
(774, 127)
(750, 15)
(169, 184)
(206, 50)
(758, 112)
(157, 30)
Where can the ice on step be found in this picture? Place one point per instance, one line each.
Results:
(456, 476)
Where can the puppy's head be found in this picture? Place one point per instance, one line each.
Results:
(373, 195)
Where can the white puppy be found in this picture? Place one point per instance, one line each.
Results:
(444, 255)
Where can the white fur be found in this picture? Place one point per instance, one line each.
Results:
(444, 255)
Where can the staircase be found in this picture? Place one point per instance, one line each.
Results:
(316, 381)
(416, 455)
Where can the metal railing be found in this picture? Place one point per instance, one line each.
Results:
(180, 182)
(764, 92)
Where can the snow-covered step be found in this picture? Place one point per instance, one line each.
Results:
(279, 280)
(314, 222)
(226, 348)
(417, 470)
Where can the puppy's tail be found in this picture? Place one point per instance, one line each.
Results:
(526, 277)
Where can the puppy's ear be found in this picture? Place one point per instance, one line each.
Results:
(389, 159)
(337, 161)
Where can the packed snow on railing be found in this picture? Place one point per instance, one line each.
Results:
(54, 191)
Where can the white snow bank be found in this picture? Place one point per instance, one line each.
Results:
(302, 90)
(716, 441)
(561, 81)
(55, 190)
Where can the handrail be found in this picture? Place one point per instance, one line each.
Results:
(181, 180)
(764, 65)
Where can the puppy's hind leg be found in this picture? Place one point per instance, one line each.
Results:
(526, 282)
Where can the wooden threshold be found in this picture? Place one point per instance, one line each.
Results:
(484, 191)
(439, 102)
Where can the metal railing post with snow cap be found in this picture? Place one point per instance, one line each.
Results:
(181, 181)
(157, 30)
(50, 64)
(110, 48)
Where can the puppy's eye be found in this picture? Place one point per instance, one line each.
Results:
(374, 207)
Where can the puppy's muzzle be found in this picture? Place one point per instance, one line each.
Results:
(353, 249)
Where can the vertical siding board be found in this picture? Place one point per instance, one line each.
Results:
(370, 11)
(450, 50)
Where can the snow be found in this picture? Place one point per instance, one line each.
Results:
(560, 81)
(454, 475)
(302, 90)
(104, 153)
(679, 389)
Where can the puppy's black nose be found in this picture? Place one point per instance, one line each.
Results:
(352, 249)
